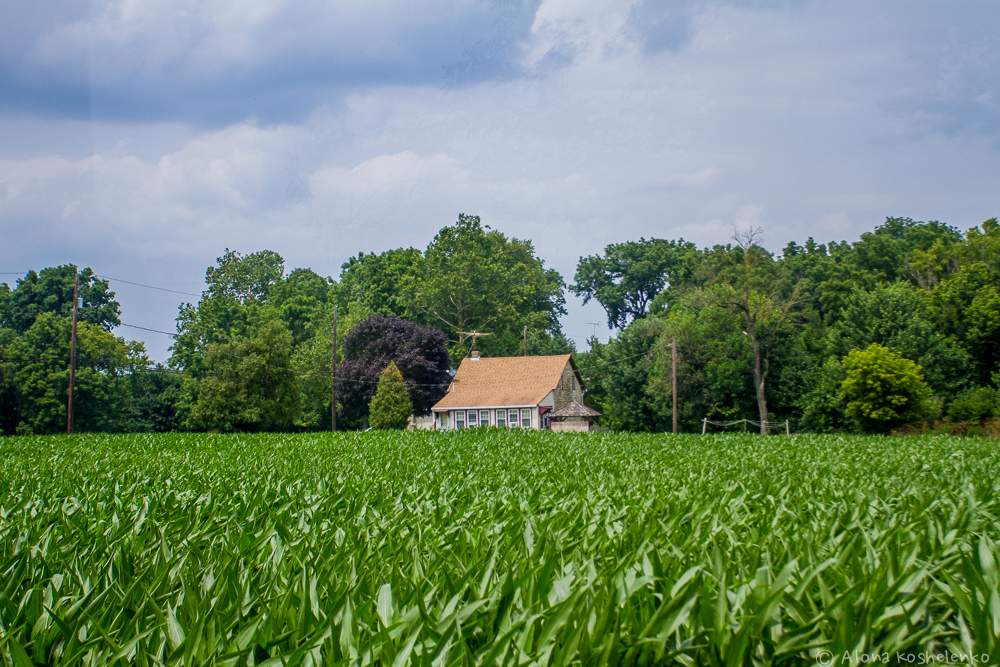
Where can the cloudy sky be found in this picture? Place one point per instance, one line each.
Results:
(142, 137)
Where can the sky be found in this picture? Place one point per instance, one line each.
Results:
(144, 137)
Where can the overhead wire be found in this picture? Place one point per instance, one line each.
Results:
(136, 326)
(146, 285)
(193, 294)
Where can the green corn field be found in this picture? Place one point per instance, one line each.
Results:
(497, 547)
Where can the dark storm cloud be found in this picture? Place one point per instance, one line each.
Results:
(219, 62)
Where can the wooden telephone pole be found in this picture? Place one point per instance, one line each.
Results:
(333, 374)
(524, 345)
(673, 380)
(72, 352)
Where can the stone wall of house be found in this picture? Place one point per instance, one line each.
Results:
(569, 388)
(571, 426)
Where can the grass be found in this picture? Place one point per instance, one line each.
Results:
(496, 547)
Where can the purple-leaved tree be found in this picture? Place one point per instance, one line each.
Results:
(420, 353)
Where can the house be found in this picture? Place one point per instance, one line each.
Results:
(511, 392)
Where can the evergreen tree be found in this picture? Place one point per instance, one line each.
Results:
(390, 407)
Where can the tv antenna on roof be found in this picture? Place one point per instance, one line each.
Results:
(474, 335)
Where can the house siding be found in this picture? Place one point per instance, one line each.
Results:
(452, 421)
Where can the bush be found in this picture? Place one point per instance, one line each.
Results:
(973, 405)
(390, 407)
(884, 390)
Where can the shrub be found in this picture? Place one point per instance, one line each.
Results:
(973, 405)
(883, 390)
(390, 407)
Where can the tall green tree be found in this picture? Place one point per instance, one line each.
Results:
(245, 277)
(37, 364)
(965, 300)
(897, 316)
(713, 359)
(51, 291)
(242, 294)
(476, 278)
(765, 313)
(629, 275)
(248, 384)
(390, 407)
(301, 300)
(617, 377)
(380, 283)
(884, 254)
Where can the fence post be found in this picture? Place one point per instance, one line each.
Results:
(788, 431)
(704, 425)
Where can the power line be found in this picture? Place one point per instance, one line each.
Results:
(136, 326)
(118, 280)
(147, 286)
(309, 374)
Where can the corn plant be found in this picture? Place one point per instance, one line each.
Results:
(495, 547)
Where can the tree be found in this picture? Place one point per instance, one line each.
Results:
(155, 393)
(390, 407)
(476, 278)
(420, 353)
(248, 384)
(4, 305)
(966, 301)
(37, 364)
(245, 277)
(380, 283)
(896, 315)
(974, 404)
(617, 376)
(764, 312)
(628, 276)
(243, 293)
(51, 291)
(301, 299)
(884, 254)
(823, 404)
(9, 414)
(713, 359)
(883, 390)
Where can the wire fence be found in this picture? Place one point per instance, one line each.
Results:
(769, 426)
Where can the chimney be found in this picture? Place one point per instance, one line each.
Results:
(474, 355)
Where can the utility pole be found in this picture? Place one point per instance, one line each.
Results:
(333, 374)
(72, 352)
(673, 380)
(524, 345)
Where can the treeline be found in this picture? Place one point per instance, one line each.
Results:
(898, 329)
(254, 353)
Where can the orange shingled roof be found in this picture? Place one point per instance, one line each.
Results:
(503, 381)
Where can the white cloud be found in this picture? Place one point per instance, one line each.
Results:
(800, 121)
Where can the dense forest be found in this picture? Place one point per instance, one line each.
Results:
(899, 329)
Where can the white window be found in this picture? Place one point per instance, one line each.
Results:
(502, 418)
(525, 418)
(442, 420)
(484, 417)
(512, 418)
(460, 419)
(473, 419)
